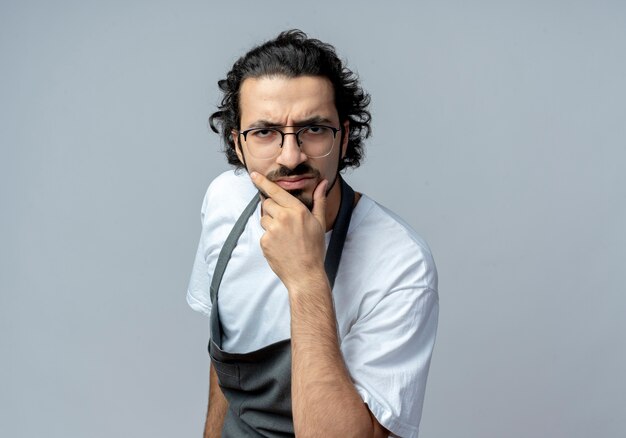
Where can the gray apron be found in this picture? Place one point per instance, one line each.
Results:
(257, 385)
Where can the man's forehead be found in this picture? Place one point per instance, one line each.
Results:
(274, 98)
(282, 84)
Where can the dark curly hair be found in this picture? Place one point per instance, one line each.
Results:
(291, 54)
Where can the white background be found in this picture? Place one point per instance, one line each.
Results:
(499, 134)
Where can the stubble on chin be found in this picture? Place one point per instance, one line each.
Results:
(306, 199)
(302, 169)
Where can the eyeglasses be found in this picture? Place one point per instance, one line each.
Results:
(316, 141)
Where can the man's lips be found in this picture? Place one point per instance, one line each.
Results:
(294, 182)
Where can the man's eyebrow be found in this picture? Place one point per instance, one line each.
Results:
(315, 120)
(263, 124)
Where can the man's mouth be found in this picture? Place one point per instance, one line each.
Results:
(296, 182)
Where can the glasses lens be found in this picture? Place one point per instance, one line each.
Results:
(316, 141)
(263, 142)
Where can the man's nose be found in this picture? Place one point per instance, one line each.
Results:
(290, 154)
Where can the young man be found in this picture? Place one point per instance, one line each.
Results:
(323, 304)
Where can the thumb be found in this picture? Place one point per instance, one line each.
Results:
(319, 203)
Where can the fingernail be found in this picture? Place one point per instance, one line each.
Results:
(253, 174)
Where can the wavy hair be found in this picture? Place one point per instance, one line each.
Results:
(291, 54)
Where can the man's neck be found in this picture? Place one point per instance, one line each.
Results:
(333, 201)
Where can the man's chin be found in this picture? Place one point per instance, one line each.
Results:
(303, 197)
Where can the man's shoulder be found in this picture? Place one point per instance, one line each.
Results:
(231, 189)
(391, 241)
(231, 183)
(373, 217)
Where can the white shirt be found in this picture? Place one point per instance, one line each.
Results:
(385, 296)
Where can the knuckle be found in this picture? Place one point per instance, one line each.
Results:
(301, 211)
(266, 223)
(282, 216)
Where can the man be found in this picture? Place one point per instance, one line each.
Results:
(301, 343)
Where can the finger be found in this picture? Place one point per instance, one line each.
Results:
(273, 190)
(319, 203)
(266, 222)
(270, 207)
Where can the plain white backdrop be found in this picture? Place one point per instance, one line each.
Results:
(499, 135)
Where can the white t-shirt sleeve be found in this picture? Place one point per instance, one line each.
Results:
(225, 199)
(388, 346)
(393, 344)
(198, 291)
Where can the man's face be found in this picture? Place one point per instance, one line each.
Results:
(281, 101)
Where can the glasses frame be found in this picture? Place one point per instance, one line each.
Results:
(279, 129)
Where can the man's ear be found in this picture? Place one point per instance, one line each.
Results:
(235, 136)
(346, 137)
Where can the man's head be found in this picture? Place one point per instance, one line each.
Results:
(293, 55)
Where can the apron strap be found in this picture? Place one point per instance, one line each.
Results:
(229, 245)
(340, 231)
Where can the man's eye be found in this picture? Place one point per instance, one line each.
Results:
(314, 130)
(263, 134)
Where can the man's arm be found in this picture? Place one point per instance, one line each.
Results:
(325, 402)
(218, 406)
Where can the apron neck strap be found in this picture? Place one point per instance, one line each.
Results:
(340, 231)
